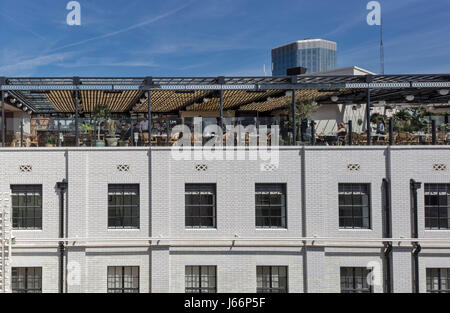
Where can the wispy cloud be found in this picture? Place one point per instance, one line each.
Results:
(22, 26)
(107, 62)
(126, 29)
(19, 66)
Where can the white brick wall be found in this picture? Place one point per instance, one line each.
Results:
(89, 171)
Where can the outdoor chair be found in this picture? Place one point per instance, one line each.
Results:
(362, 139)
(15, 142)
(144, 138)
(441, 138)
(402, 139)
(381, 141)
(413, 140)
(174, 138)
(355, 138)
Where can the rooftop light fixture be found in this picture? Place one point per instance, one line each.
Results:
(19, 104)
(334, 98)
(13, 100)
(409, 98)
(444, 92)
(112, 91)
(25, 109)
(184, 91)
(6, 95)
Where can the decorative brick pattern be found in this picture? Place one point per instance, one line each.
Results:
(201, 167)
(439, 167)
(354, 167)
(269, 167)
(123, 167)
(25, 168)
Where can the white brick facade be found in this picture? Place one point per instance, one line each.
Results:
(162, 246)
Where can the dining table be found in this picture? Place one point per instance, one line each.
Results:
(422, 136)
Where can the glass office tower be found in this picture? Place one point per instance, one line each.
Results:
(317, 55)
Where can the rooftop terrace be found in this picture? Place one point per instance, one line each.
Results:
(64, 111)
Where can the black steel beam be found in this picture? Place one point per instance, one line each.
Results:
(294, 125)
(369, 130)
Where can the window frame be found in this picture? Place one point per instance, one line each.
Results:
(353, 206)
(429, 279)
(437, 208)
(354, 289)
(25, 277)
(271, 288)
(122, 289)
(200, 289)
(271, 188)
(122, 189)
(198, 188)
(17, 190)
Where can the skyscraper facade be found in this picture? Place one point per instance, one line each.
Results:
(316, 55)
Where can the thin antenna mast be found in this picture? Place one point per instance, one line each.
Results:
(381, 47)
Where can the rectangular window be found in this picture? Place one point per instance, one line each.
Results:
(354, 206)
(270, 200)
(26, 279)
(354, 280)
(123, 206)
(200, 279)
(271, 279)
(123, 279)
(438, 280)
(200, 205)
(437, 206)
(26, 206)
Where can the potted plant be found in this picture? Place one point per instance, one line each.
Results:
(86, 132)
(100, 114)
(50, 141)
(304, 108)
(111, 139)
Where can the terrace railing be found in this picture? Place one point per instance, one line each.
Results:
(242, 131)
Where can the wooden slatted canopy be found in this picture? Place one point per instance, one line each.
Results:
(164, 101)
(119, 102)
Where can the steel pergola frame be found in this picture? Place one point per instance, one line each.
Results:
(32, 91)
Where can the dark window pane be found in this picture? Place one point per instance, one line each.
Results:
(200, 279)
(26, 279)
(354, 280)
(271, 279)
(26, 206)
(354, 206)
(437, 206)
(200, 205)
(270, 201)
(123, 206)
(123, 279)
(438, 280)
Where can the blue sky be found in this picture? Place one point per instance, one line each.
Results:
(212, 37)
